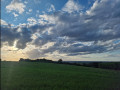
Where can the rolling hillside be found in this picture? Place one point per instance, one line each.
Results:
(50, 76)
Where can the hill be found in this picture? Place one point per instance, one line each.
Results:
(51, 76)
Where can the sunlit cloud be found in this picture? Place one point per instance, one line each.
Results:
(17, 6)
(72, 6)
(3, 22)
(66, 32)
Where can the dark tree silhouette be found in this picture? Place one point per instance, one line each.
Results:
(60, 61)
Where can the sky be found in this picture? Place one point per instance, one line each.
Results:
(72, 30)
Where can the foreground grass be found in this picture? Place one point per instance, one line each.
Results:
(49, 76)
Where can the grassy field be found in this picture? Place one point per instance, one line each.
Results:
(49, 76)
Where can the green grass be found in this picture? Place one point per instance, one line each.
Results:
(49, 76)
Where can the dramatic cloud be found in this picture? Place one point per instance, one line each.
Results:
(21, 34)
(95, 31)
(10, 35)
(17, 6)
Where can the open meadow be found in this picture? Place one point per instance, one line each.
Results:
(51, 76)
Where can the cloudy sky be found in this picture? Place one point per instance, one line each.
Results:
(79, 30)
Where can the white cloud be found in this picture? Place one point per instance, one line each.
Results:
(90, 12)
(71, 6)
(52, 8)
(48, 19)
(15, 15)
(16, 6)
(31, 21)
(3, 22)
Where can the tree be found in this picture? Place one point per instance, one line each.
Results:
(21, 59)
(60, 61)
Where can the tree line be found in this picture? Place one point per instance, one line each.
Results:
(104, 65)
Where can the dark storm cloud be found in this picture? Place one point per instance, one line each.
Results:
(21, 34)
(72, 33)
(39, 28)
(76, 49)
(25, 37)
(9, 35)
(102, 24)
(43, 39)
